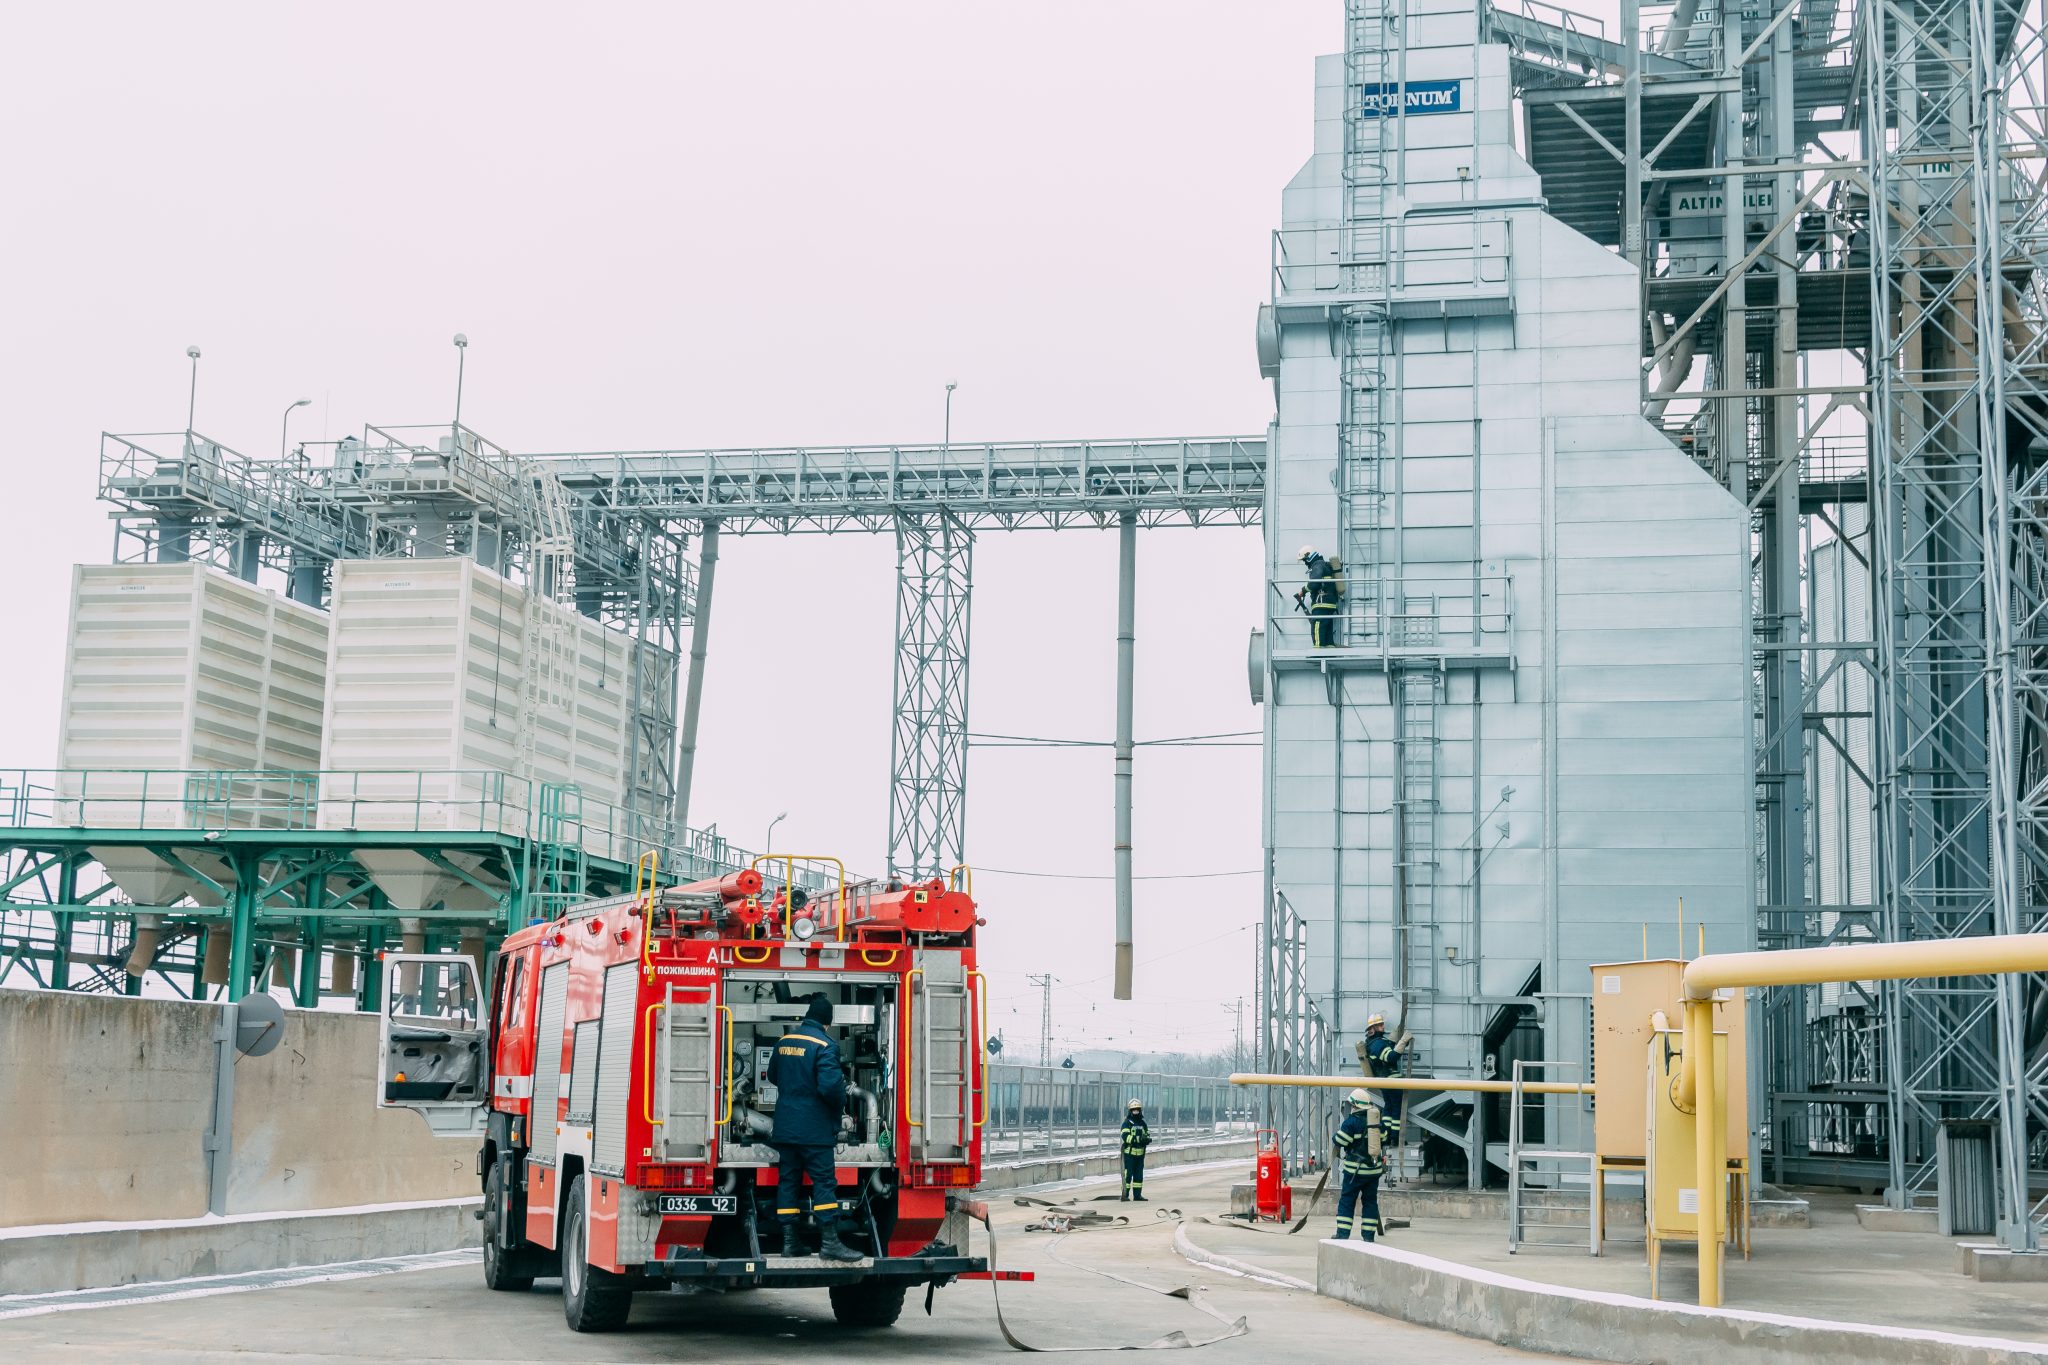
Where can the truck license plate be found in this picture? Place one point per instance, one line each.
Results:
(699, 1203)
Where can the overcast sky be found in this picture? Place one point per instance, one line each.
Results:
(688, 224)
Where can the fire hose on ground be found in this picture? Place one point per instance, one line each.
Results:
(1191, 1294)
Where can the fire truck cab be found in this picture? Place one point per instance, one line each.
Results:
(618, 1079)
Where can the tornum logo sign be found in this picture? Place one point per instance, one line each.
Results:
(1383, 99)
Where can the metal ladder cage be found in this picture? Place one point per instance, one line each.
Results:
(1535, 1205)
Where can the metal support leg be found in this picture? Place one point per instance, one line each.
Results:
(693, 694)
(67, 894)
(928, 745)
(1126, 632)
(219, 1138)
(243, 944)
(308, 993)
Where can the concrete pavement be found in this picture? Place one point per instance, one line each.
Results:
(1083, 1296)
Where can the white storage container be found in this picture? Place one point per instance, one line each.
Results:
(429, 723)
(173, 672)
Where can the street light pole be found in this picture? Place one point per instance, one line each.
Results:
(461, 354)
(768, 843)
(192, 398)
(284, 430)
(949, 414)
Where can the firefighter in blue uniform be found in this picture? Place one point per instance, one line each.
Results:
(1137, 1136)
(810, 1096)
(1361, 1157)
(1320, 596)
(1385, 1057)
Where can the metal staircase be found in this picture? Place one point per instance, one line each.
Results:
(1546, 1204)
(550, 674)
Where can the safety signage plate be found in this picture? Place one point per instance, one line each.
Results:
(700, 1203)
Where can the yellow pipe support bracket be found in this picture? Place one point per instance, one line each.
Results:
(1452, 1083)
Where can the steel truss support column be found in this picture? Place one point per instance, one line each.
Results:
(928, 740)
(693, 693)
(1952, 128)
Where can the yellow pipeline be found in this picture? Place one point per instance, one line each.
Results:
(1980, 956)
(1464, 1083)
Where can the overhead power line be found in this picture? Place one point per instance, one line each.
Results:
(1110, 876)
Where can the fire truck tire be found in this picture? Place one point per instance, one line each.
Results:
(498, 1262)
(863, 1304)
(593, 1300)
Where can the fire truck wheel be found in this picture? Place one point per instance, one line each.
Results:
(498, 1262)
(593, 1300)
(864, 1304)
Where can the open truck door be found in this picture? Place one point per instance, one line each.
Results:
(431, 1037)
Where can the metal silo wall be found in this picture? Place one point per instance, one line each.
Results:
(1588, 744)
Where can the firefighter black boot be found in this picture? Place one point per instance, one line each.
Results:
(832, 1249)
(792, 1241)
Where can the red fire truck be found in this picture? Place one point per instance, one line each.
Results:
(618, 1080)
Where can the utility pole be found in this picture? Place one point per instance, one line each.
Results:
(1044, 983)
(1237, 1047)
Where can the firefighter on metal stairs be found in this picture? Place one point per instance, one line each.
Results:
(1361, 1156)
(1137, 1136)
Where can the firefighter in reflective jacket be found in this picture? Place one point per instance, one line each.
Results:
(810, 1088)
(1319, 596)
(1361, 1156)
(1385, 1057)
(1137, 1137)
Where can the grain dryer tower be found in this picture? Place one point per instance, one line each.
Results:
(1529, 735)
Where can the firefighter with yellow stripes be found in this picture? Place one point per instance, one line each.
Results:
(810, 1086)
(1361, 1157)
(1137, 1136)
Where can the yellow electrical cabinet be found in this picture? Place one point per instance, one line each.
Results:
(1626, 996)
(1628, 1000)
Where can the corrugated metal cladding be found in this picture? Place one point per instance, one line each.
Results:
(184, 666)
(1533, 730)
(615, 1068)
(547, 1060)
(427, 669)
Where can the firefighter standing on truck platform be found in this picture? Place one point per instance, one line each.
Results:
(810, 1087)
(1137, 1135)
(1361, 1155)
(1385, 1057)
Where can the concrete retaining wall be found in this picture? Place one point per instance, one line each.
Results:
(70, 1257)
(105, 1102)
(1048, 1170)
(1621, 1327)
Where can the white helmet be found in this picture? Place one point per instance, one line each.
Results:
(1307, 552)
(1135, 1104)
(1360, 1097)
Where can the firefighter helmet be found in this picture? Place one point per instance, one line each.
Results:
(1307, 552)
(1377, 1021)
(1134, 1104)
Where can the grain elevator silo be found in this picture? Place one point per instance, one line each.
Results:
(1529, 736)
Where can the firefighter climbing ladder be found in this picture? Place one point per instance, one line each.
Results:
(1371, 42)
